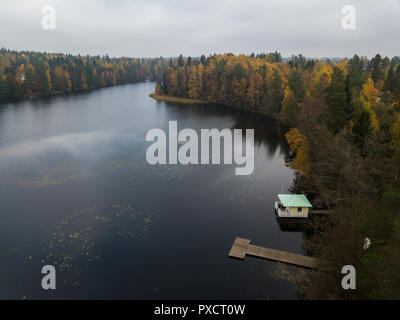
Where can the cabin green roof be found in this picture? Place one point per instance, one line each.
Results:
(294, 200)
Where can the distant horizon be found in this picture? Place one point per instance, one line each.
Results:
(198, 56)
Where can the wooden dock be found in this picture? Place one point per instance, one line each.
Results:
(242, 247)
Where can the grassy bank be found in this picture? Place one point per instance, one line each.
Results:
(160, 97)
(175, 99)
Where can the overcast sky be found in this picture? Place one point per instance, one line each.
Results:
(152, 28)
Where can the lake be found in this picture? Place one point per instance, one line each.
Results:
(76, 192)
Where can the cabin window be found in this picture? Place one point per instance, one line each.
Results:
(299, 209)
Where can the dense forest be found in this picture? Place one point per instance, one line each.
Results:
(26, 74)
(344, 131)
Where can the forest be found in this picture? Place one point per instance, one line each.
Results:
(343, 121)
(28, 74)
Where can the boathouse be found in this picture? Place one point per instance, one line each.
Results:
(292, 206)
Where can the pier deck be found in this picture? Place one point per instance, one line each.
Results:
(242, 247)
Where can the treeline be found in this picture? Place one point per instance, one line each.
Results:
(345, 138)
(265, 84)
(254, 82)
(26, 74)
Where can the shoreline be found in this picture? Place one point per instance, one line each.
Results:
(61, 93)
(159, 97)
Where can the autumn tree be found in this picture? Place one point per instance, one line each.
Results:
(194, 83)
(296, 84)
(289, 108)
(369, 93)
(62, 83)
(255, 90)
(369, 96)
(42, 79)
(299, 145)
(274, 91)
(158, 88)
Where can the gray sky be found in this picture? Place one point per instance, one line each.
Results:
(139, 28)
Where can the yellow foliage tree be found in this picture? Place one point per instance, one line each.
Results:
(158, 87)
(299, 145)
(289, 107)
(369, 94)
(200, 71)
(255, 90)
(193, 85)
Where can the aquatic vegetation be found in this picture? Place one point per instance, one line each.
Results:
(171, 172)
(45, 181)
(45, 177)
(73, 245)
(291, 274)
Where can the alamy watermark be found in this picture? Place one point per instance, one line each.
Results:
(49, 17)
(49, 280)
(190, 153)
(349, 19)
(349, 280)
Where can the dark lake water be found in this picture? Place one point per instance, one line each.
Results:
(76, 192)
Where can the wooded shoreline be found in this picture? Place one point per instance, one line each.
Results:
(159, 97)
(26, 74)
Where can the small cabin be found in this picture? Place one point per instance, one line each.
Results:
(292, 206)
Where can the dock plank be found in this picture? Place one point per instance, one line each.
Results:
(239, 248)
(282, 256)
(242, 247)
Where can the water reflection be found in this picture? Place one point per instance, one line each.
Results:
(268, 132)
(293, 225)
(72, 143)
(63, 158)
